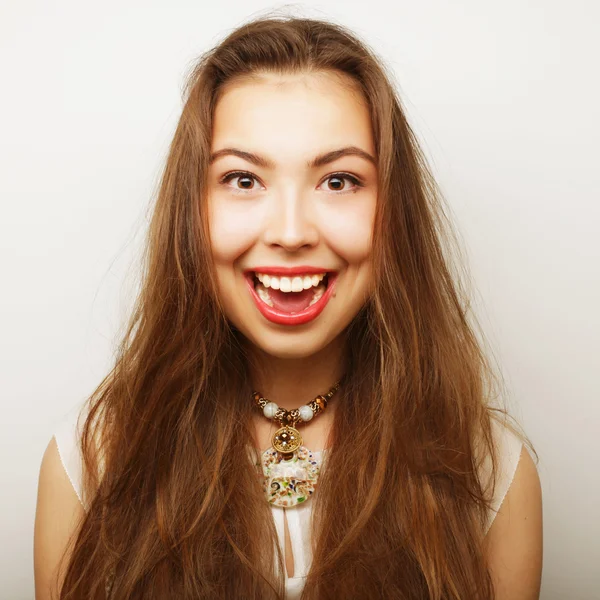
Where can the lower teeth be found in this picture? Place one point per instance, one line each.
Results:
(263, 294)
(320, 290)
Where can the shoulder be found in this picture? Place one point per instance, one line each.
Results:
(68, 434)
(67, 438)
(61, 500)
(59, 513)
(508, 446)
(514, 538)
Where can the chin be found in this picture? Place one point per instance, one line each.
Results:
(286, 346)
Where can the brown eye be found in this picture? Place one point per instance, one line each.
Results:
(244, 179)
(337, 182)
(246, 182)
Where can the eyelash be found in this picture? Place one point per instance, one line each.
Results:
(340, 175)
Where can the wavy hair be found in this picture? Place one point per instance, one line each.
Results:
(175, 511)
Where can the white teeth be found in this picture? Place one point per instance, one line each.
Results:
(263, 294)
(290, 284)
(318, 293)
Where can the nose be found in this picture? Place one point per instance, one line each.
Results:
(291, 222)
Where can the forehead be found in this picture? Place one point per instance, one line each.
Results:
(292, 116)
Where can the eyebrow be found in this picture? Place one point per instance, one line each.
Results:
(318, 161)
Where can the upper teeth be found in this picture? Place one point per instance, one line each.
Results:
(290, 284)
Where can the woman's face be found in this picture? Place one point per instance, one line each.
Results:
(288, 205)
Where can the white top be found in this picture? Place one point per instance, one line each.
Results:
(67, 435)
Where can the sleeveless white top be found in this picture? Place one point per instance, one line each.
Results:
(67, 434)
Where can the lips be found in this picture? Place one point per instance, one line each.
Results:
(282, 317)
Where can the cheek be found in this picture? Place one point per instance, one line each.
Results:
(349, 232)
(232, 231)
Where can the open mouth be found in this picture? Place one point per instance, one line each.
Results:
(290, 294)
(291, 300)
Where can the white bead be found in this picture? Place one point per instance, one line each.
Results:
(306, 413)
(270, 409)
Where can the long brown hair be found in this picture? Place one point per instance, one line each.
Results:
(176, 511)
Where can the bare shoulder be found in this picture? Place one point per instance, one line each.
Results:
(58, 515)
(514, 541)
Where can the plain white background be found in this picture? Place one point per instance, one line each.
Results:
(504, 96)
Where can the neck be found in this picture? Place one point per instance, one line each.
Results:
(292, 382)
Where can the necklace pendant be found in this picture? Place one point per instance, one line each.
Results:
(290, 469)
(287, 440)
(289, 481)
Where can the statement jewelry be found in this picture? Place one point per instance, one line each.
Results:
(290, 469)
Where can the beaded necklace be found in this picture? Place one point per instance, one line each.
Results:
(290, 469)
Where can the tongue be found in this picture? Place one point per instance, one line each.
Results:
(291, 302)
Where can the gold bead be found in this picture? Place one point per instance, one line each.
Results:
(287, 440)
(321, 402)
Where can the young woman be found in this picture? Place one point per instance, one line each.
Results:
(300, 406)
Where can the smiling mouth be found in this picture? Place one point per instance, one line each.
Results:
(291, 299)
(290, 295)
